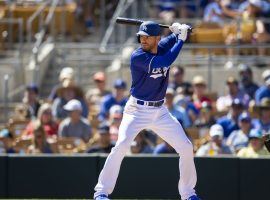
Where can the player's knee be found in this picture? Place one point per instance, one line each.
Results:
(185, 149)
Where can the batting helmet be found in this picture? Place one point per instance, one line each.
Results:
(149, 28)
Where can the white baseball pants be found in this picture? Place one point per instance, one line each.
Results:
(136, 118)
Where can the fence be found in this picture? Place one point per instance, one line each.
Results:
(141, 177)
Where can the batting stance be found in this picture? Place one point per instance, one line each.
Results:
(150, 66)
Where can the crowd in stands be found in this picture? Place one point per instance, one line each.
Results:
(75, 120)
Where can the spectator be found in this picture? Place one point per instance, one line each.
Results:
(31, 100)
(247, 84)
(40, 144)
(104, 142)
(216, 145)
(255, 146)
(264, 90)
(185, 103)
(164, 148)
(66, 73)
(75, 125)
(116, 98)
(178, 112)
(141, 144)
(6, 140)
(65, 93)
(115, 118)
(229, 122)
(206, 118)
(234, 92)
(94, 96)
(263, 123)
(45, 118)
(178, 73)
(199, 95)
(213, 12)
(239, 138)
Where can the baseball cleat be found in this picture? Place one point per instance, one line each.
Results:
(102, 197)
(194, 197)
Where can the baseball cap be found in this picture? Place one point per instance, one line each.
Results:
(266, 76)
(237, 102)
(32, 87)
(73, 105)
(120, 84)
(116, 109)
(255, 133)
(265, 102)
(103, 128)
(216, 130)
(66, 72)
(99, 76)
(198, 80)
(170, 91)
(231, 79)
(244, 68)
(244, 117)
(149, 28)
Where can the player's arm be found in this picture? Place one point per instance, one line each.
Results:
(168, 42)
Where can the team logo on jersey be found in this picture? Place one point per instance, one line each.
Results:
(159, 72)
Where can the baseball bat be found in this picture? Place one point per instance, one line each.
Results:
(130, 21)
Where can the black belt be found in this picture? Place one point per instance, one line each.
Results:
(150, 103)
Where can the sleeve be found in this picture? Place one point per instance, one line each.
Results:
(146, 61)
(104, 108)
(167, 42)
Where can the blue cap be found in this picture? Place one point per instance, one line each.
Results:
(237, 102)
(149, 28)
(255, 133)
(120, 84)
(244, 117)
(32, 87)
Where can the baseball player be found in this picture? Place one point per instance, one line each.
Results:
(150, 66)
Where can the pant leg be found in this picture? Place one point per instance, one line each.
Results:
(170, 130)
(129, 128)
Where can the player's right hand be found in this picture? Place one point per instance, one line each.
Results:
(184, 30)
(175, 28)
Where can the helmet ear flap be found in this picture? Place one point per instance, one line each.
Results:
(138, 39)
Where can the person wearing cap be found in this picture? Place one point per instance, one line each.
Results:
(118, 97)
(150, 67)
(255, 146)
(31, 100)
(178, 112)
(199, 91)
(239, 138)
(246, 83)
(215, 146)
(263, 122)
(229, 122)
(66, 73)
(68, 91)
(206, 117)
(178, 81)
(141, 144)
(75, 125)
(104, 142)
(264, 90)
(94, 95)
(224, 102)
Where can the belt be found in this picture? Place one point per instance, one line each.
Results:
(150, 103)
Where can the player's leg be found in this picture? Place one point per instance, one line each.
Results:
(170, 130)
(129, 128)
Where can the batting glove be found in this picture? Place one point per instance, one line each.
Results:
(183, 29)
(175, 28)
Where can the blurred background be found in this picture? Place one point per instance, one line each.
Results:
(65, 78)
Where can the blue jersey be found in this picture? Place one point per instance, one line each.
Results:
(150, 72)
